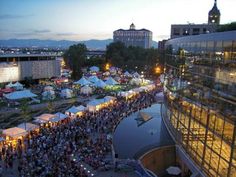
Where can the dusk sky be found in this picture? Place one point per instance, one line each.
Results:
(97, 19)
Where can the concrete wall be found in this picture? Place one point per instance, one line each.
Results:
(158, 160)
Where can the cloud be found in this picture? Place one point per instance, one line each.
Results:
(66, 34)
(10, 16)
(42, 31)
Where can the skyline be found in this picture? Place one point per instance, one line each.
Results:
(84, 20)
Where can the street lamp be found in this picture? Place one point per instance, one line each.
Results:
(107, 66)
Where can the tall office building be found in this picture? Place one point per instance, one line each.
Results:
(134, 37)
(200, 100)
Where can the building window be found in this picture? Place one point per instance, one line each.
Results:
(176, 31)
(196, 31)
(186, 31)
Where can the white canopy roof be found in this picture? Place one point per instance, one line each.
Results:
(95, 102)
(100, 84)
(28, 126)
(93, 79)
(94, 69)
(86, 90)
(10, 85)
(43, 118)
(14, 132)
(58, 117)
(109, 98)
(74, 109)
(20, 95)
(111, 81)
(136, 74)
(127, 74)
(82, 81)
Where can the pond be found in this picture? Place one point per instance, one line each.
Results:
(141, 132)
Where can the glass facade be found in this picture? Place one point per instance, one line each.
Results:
(200, 100)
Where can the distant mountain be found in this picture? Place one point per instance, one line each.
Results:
(91, 44)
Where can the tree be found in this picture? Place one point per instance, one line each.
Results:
(227, 27)
(75, 59)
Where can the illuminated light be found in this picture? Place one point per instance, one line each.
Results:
(81, 165)
(158, 70)
(85, 168)
(92, 174)
(107, 66)
(88, 171)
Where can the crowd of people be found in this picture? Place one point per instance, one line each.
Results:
(61, 150)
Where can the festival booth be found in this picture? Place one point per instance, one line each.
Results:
(127, 74)
(100, 84)
(48, 95)
(93, 79)
(28, 127)
(74, 111)
(61, 80)
(16, 86)
(58, 117)
(14, 134)
(136, 75)
(44, 119)
(110, 81)
(86, 90)
(66, 93)
(136, 81)
(94, 69)
(97, 104)
(82, 82)
(17, 95)
(128, 94)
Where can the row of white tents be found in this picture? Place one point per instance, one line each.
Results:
(95, 81)
(92, 106)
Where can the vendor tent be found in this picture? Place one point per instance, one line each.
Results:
(44, 118)
(135, 81)
(14, 132)
(136, 75)
(17, 86)
(73, 111)
(58, 117)
(10, 85)
(48, 95)
(94, 69)
(82, 82)
(93, 79)
(95, 105)
(86, 90)
(28, 126)
(100, 84)
(20, 95)
(109, 98)
(66, 93)
(111, 81)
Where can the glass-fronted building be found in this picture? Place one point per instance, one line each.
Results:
(200, 100)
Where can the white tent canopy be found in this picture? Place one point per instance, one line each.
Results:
(48, 95)
(86, 90)
(111, 81)
(44, 118)
(127, 74)
(94, 69)
(82, 82)
(135, 81)
(20, 95)
(93, 79)
(28, 126)
(100, 84)
(17, 86)
(14, 132)
(136, 74)
(75, 110)
(58, 117)
(10, 85)
(67, 93)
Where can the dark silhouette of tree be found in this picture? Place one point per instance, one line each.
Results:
(227, 27)
(75, 58)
